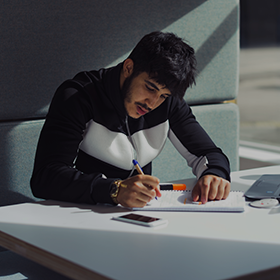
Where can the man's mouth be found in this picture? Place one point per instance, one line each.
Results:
(142, 110)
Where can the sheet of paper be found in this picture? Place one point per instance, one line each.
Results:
(182, 201)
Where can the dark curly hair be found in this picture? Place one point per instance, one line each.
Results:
(167, 59)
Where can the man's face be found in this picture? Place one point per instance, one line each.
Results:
(142, 95)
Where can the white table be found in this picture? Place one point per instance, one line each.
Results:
(83, 242)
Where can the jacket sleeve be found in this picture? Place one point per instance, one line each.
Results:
(195, 145)
(54, 174)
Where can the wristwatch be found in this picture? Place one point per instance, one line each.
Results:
(115, 190)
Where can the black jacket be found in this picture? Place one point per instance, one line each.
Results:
(88, 141)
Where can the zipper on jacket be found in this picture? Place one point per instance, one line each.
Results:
(134, 148)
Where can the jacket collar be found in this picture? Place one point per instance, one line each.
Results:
(111, 83)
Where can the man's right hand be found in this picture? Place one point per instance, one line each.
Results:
(138, 190)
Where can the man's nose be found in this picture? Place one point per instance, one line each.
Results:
(152, 100)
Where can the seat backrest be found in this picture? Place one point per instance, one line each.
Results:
(46, 42)
(18, 145)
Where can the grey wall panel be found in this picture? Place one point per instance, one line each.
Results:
(45, 42)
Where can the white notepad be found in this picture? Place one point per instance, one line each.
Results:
(182, 201)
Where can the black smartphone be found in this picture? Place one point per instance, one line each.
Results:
(141, 220)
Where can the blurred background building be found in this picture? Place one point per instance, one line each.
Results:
(259, 23)
(259, 87)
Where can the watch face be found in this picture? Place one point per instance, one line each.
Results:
(113, 189)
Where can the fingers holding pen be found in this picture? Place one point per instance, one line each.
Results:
(139, 190)
(140, 171)
(151, 183)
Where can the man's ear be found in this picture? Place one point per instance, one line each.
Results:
(128, 67)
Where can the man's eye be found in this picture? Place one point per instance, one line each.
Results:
(149, 89)
(164, 96)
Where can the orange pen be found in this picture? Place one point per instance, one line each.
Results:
(174, 187)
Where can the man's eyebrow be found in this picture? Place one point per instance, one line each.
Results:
(155, 87)
(152, 84)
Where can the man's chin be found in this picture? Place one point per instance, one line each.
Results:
(135, 116)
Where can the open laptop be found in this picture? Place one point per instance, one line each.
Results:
(267, 186)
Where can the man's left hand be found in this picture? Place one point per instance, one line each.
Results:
(210, 187)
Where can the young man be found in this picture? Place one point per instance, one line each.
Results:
(99, 121)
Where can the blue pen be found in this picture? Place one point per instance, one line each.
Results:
(139, 168)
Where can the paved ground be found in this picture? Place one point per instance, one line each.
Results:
(259, 105)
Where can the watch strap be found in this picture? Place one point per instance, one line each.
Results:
(114, 195)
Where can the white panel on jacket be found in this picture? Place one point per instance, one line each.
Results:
(150, 142)
(115, 148)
